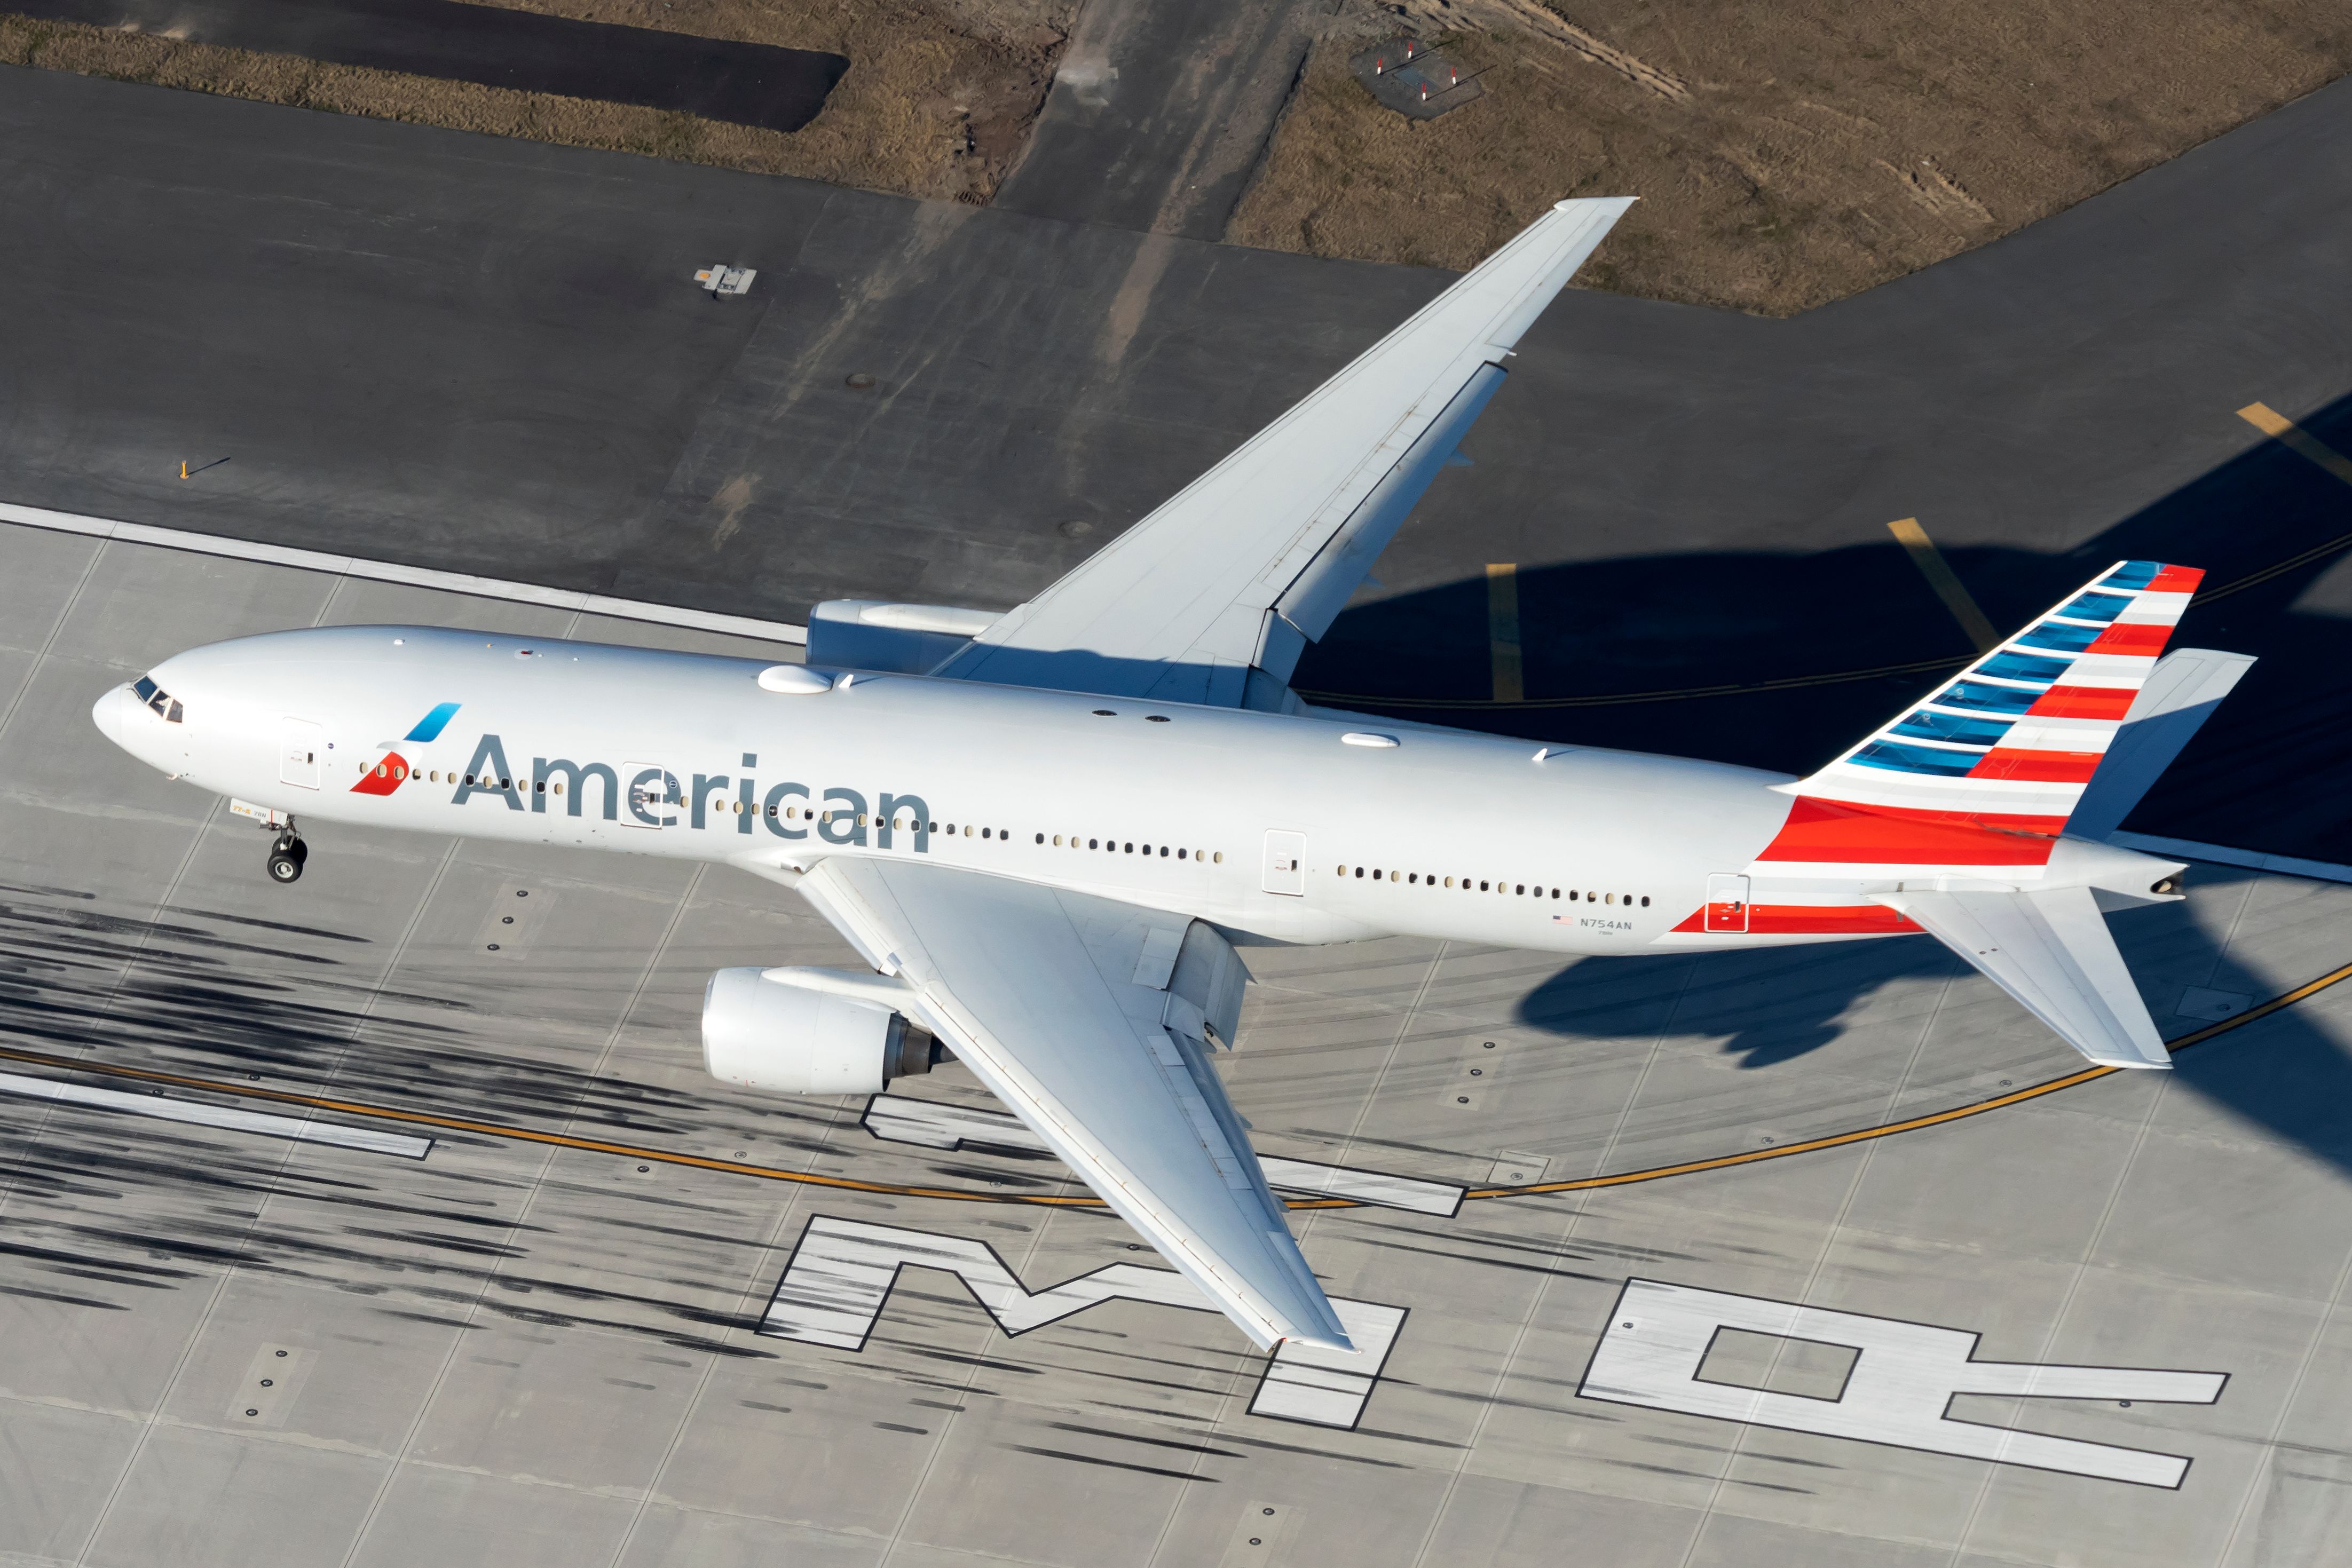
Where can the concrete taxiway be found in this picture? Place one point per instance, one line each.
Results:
(558, 1334)
(426, 1249)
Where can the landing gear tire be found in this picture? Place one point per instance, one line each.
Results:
(285, 858)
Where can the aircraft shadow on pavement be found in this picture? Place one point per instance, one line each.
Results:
(1774, 1005)
(2269, 772)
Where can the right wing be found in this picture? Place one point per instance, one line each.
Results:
(2050, 951)
(1213, 597)
(1060, 1003)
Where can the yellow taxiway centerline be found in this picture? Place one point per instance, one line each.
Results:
(897, 1189)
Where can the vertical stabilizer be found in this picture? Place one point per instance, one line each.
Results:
(2010, 742)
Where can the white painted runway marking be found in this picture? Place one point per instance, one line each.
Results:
(1904, 1377)
(298, 1128)
(414, 575)
(903, 1118)
(840, 1276)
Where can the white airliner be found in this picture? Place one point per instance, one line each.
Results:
(1046, 829)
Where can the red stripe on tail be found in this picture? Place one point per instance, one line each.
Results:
(2039, 766)
(2083, 702)
(2132, 637)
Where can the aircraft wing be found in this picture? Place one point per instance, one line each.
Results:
(1255, 558)
(1056, 1001)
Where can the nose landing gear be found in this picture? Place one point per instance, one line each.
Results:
(286, 857)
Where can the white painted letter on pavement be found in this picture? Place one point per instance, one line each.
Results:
(1903, 1379)
(841, 1274)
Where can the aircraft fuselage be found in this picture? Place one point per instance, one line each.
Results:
(1441, 833)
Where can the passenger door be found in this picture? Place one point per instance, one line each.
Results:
(1726, 902)
(1286, 864)
(301, 745)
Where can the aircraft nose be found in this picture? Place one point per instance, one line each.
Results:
(107, 713)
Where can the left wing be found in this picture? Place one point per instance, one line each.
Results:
(1213, 597)
(1059, 1002)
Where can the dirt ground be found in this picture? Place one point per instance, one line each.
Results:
(937, 102)
(1787, 152)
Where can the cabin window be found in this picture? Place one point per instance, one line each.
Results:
(506, 783)
(1645, 901)
(1105, 713)
(540, 787)
(1163, 852)
(1555, 892)
(1130, 849)
(1360, 872)
(967, 830)
(1221, 857)
(1155, 718)
(1181, 853)
(984, 832)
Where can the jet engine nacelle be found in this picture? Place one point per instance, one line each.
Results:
(790, 1040)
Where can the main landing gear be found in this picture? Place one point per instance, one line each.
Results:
(286, 857)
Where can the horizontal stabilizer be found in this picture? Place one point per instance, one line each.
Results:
(2050, 951)
(2182, 694)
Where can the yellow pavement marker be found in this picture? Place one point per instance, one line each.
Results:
(1503, 632)
(2297, 439)
(1932, 566)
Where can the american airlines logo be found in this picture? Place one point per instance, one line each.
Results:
(650, 795)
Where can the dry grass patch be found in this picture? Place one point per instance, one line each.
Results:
(1787, 153)
(935, 104)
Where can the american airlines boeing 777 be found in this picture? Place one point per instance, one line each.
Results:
(1045, 831)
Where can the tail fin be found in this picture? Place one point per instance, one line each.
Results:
(2050, 949)
(2010, 742)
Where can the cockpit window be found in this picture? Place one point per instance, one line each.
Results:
(162, 701)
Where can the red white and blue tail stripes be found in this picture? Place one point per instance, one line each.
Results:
(1978, 780)
(2008, 744)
